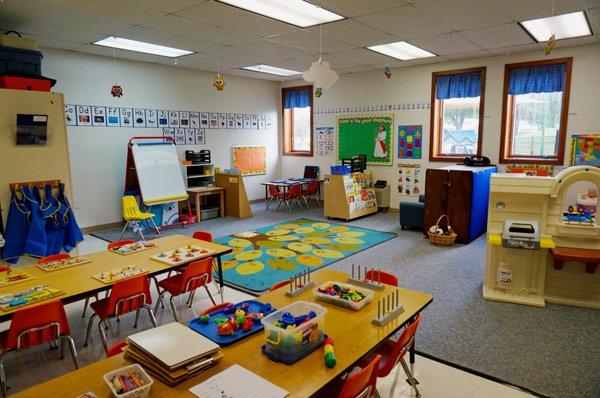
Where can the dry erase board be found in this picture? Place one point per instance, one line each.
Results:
(159, 173)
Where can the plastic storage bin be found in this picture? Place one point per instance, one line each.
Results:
(335, 300)
(340, 169)
(140, 392)
(26, 83)
(20, 61)
(207, 214)
(288, 346)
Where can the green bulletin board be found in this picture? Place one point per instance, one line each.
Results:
(366, 135)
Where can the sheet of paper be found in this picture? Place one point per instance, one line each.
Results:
(237, 382)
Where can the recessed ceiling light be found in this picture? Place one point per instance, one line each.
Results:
(401, 50)
(141, 47)
(296, 12)
(562, 26)
(272, 70)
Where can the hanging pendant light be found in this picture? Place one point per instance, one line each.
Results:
(320, 73)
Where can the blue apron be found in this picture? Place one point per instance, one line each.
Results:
(15, 234)
(55, 232)
(73, 234)
(36, 236)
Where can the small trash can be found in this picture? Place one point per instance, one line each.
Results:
(382, 194)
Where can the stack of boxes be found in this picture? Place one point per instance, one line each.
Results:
(21, 64)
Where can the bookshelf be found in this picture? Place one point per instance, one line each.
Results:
(349, 196)
(199, 175)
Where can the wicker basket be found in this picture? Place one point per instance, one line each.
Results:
(447, 239)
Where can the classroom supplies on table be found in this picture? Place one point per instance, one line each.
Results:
(372, 281)
(294, 331)
(34, 294)
(299, 283)
(13, 276)
(388, 308)
(343, 295)
(237, 382)
(129, 382)
(117, 274)
(135, 247)
(241, 319)
(172, 352)
(328, 353)
(182, 255)
(64, 263)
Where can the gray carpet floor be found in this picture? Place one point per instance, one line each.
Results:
(554, 351)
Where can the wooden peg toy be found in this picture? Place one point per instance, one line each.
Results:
(388, 308)
(372, 282)
(300, 283)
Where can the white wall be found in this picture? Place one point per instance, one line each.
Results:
(98, 153)
(413, 84)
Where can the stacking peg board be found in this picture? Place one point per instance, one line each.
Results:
(373, 283)
(299, 283)
(388, 308)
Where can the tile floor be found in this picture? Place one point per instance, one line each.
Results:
(34, 366)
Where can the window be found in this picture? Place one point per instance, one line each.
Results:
(457, 106)
(297, 121)
(534, 111)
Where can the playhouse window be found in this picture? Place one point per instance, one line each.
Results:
(580, 203)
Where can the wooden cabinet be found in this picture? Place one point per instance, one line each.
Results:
(462, 193)
(349, 196)
(198, 175)
(236, 200)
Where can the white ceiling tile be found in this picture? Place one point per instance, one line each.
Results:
(303, 64)
(521, 10)
(211, 59)
(364, 56)
(469, 55)
(448, 43)
(60, 44)
(169, 6)
(405, 22)
(425, 61)
(594, 18)
(310, 41)
(154, 36)
(355, 32)
(235, 18)
(498, 36)
(463, 14)
(517, 49)
(261, 76)
(354, 8)
(340, 63)
(268, 47)
(246, 54)
(577, 41)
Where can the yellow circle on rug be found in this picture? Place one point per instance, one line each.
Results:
(304, 230)
(321, 225)
(288, 226)
(318, 233)
(277, 232)
(281, 263)
(237, 250)
(229, 264)
(280, 253)
(268, 244)
(283, 238)
(248, 255)
(328, 253)
(237, 242)
(352, 241)
(309, 260)
(316, 241)
(350, 234)
(339, 228)
(249, 268)
(300, 247)
(343, 247)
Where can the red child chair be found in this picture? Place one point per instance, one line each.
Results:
(119, 243)
(279, 285)
(206, 237)
(125, 297)
(197, 274)
(116, 349)
(30, 327)
(384, 277)
(274, 193)
(293, 194)
(361, 384)
(311, 191)
(4, 267)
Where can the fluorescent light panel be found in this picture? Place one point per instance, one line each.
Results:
(272, 70)
(401, 50)
(295, 12)
(563, 26)
(141, 47)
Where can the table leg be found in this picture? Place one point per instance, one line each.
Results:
(220, 267)
(198, 213)
(222, 201)
(412, 357)
(266, 197)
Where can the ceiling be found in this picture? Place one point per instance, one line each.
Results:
(218, 33)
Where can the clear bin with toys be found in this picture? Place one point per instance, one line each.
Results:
(129, 382)
(344, 295)
(294, 331)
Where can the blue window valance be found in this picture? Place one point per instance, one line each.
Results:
(299, 98)
(537, 79)
(460, 85)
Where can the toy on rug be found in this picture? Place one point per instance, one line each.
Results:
(182, 255)
(343, 295)
(30, 296)
(328, 353)
(299, 283)
(64, 263)
(370, 282)
(388, 308)
(117, 274)
(13, 276)
(135, 247)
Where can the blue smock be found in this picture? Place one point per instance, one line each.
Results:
(17, 225)
(73, 234)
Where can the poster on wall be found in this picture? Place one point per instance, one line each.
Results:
(410, 180)
(325, 137)
(262, 122)
(222, 120)
(151, 118)
(190, 137)
(200, 137)
(163, 118)
(366, 135)
(139, 118)
(239, 121)
(70, 115)
(126, 117)
(174, 118)
(410, 141)
(585, 150)
(250, 160)
(98, 116)
(179, 136)
(195, 119)
(254, 121)
(230, 121)
(184, 119)
(204, 120)
(113, 117)
(84, 115)
(247, 122)
(539, 170)
(169, 132)
(213, 121)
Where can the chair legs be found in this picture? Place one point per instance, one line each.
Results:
(3, 376)
(188, 302)
(411, 379)
(123, 231)
(155, 227)
(71, 343)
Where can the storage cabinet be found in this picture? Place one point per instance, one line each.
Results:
(199, 175)
(462, 193)
(349, 196)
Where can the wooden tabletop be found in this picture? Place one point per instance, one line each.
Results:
(77, 281)
(576, 254)
(206, 189)
(352, 332)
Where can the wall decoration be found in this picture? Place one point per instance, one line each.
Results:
(200, 136)
(379, 107)
(186, 136)
(247, 122)
(219, 82)
(151, 118)
(116, 91)
(230, 121)
(585, 150)
(540, 170)
(222, 120)
(366, 135)
(254, 122)
(262, 122)
(113, 117)
(410, 180)
(84, 115)
(126, 117)
(169, 132)
(204, 120)
(190, 137)
(98, 116)
(139, 118)
(184, 119)
(386, 71)
(163, 118)
(70, 115)
(174, 118)
(195, 120)
(239, 121)
(410, 141)
(179, 136)
(250, 160)
(325, 138)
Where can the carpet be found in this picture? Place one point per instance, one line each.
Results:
(267, 255)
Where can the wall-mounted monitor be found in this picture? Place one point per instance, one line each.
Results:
(32, 129)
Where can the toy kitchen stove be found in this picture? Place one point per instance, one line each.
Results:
(521, 235)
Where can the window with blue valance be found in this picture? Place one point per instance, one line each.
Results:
(537, 79)
(296, 98)
(460, 85)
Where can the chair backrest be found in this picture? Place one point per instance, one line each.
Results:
(4, 267)
(295, 190)
(54, 257)
(386, 278)
(203, 235)
(196, 274)
(279, 284)
(357, 383)
(129, 295)
(119, 243)
(313, 187)
(400, 348)
(216, 308)
(37, 325)
(131, 209)
(115, 349)
(274, 190)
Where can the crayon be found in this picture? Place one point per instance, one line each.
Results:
(117, 386)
